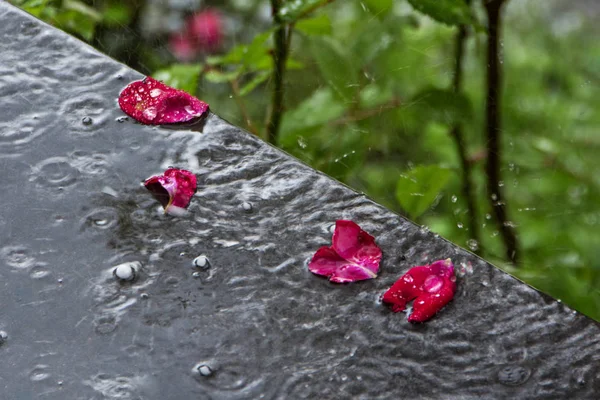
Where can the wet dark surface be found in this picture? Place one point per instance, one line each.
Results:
(256, 323)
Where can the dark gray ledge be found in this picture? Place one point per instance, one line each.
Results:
(72, 208)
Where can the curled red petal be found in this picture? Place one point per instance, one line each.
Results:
(354, 255)
(151, 102)
(356, 245)
(430, 286)
(174, 189)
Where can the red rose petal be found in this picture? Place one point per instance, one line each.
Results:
(354, 256)
(153, 103)
(430, 286)
(174, 189)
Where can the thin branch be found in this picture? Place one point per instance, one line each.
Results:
(313, 8)
(235, 88)
(359, 115)
(494, 130)
(280, 53)
(458, 136)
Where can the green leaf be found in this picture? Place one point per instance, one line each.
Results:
(117, 14)
(444, 106)
(217, 76)
(373, 95)
(320, 25)
(335, 66)
(254, 56)
(83, 9)
(451, 12)
(320, 108)
(293, 10)
(379, 8)
(180, 76)
(255, 82)
(418, 188)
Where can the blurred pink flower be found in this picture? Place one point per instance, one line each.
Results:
(203, 33)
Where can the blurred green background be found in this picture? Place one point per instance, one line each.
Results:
(369, 99)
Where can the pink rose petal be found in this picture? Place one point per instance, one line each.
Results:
(153, 103)
(430, 286)
(354, 256)
(174, 189)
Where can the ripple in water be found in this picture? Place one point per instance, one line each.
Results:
(39, 373)
(102, 218)
(105, 324)
(55, 171)
(86, 113)
(513, 375)
(15, 138)
(17, 257)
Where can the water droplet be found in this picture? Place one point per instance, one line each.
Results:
(60, 281)
(122, 119)
(150, 113)
(144, 296)
(501, 183)
(494, 196)
(302, 142)
(201, 262)
(454, 199)
(473, 245)
(460, 225)
(331, 228)
(87, 121)
(155, 92)
(488, 216)
(247, 206)
(196, 274)
(203, 370)
(127, 271)
(513, 375)
(3, 337)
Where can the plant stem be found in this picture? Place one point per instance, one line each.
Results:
(493, 130)
(458, 136)
(280, 53)
(359, 115)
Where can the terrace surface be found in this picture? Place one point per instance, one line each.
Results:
(73, 208)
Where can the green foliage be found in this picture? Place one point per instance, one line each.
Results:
(451, 12)
(419, 188)
(291, 11)
(336, 67)
(319, 25)
(379, 8)
(180, 76)
(70, 15)
(443, 106)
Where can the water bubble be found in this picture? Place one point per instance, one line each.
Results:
(3, 337)
(331, 228)
(144, 296)
(247, 206)
(196, 274)
(473, 245)
(127, 271)
(60, 281)
(122, 119)
(513, 375)
(87, 121)
(203, 370)
(454, 199)
(201, 262)
(150, 113)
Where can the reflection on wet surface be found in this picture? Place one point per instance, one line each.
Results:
(219, 303)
